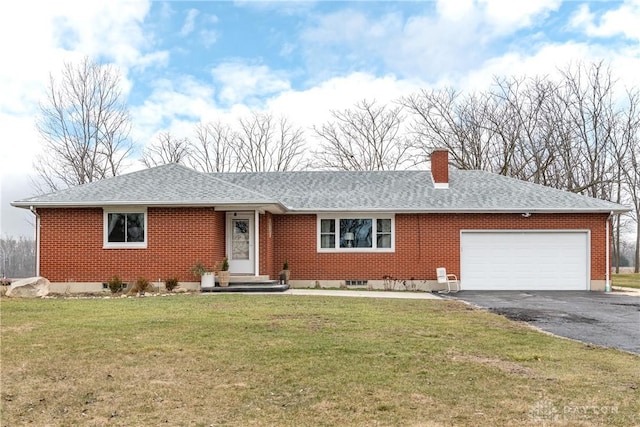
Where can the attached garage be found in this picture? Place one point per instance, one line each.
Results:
(524, 260)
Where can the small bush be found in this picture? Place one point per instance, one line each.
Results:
(171, 284)
(115, 284)
(142, 284)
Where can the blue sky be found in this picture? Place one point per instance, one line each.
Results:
(186, 62)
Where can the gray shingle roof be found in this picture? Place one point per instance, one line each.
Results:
(308, 191)
(170, 184)
(413, 191)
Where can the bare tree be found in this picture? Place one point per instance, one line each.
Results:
(166, 149)
(264, 144)
(85, 127)
(505, 130)
(448, 119)
(590, 120)
(624, 140)
(632, 179)
(17, 257)
(365, 137)
(213, 150)
(557, 133)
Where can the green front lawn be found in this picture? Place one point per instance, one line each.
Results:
(290, 360)
(627, 280)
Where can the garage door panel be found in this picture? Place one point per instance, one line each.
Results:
(524, 260)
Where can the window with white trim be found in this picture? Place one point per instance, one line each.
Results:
(125, 228)
(349, 232)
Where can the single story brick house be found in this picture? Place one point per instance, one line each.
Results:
(334, 228)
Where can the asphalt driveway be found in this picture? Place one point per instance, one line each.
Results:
(605, 319)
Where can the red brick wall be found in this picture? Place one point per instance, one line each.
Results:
(423, 243)
(440, 166)
(72, 239)
(266, 243)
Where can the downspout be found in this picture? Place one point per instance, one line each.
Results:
(607, 281)
(33, 210)
(256, 220)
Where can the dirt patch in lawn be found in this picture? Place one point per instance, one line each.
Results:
(505, 366)
(535, 315)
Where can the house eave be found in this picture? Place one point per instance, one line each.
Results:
(465, 211)
(279, 208)
(223, 206)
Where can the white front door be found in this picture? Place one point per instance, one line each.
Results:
(241, 242)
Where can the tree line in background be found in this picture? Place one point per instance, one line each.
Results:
(579, 132)
(17, 257)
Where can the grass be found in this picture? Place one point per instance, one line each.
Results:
(290, 360)
(630, 280)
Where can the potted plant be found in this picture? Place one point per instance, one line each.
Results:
(224, 274)
(207, 279)
(285, 274)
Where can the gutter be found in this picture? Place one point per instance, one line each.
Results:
(32, 209)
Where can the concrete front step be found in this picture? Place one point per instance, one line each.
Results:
(242, 278)
(266, 286)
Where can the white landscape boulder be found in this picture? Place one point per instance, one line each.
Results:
(31, 287)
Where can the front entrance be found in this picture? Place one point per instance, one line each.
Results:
(241, 242)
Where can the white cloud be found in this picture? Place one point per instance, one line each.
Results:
(624, 21)
(171, 101)
(245, 83)
(105, 28)
(177, 108)
(506, 16)
(40, 37)
(208, 37)
(287, 49)
(313, 106)
(548, 59)
(457, 37)
(189, 22)
(454, 10)
(19, 143)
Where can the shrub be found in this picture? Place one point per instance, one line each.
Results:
(142, 284)
(199, 269)
(171, 283)
(115, 284)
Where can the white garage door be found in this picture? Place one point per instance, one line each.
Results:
(524, 260)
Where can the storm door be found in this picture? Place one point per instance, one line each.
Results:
(240, 242)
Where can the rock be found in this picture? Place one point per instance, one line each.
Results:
(179, 290)
(32, 287)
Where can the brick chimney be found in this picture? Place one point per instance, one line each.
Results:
(440, 167)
